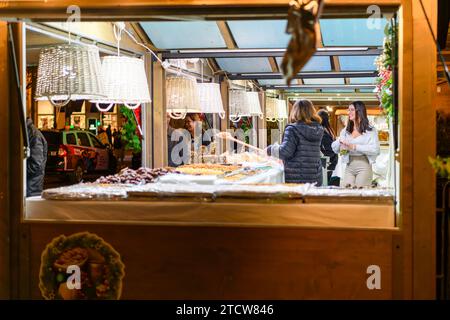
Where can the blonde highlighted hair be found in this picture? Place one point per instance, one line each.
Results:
(304, 111)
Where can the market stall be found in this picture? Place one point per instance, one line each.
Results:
(227, 228)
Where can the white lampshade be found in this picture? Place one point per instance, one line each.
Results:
(210, 98)
(271, 109)
(182, 97)
(254, 105)
(69, 72)
(282, 109)
(125, 82)
(238, 104)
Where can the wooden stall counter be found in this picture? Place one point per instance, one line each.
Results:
(293, 213)
(225, 249)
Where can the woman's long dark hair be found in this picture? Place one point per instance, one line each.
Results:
(326, 122)
(361, 115)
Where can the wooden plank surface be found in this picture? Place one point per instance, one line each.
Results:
(160, 155)
(4, 165)
(18, 236)
(147, 119)
(217, 214)
(237, 263)
(424, 137)
(405, 152)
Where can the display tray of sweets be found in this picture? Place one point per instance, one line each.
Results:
(207, 169)
(216, 174)
(140, 176)
(84, 191)
(108, 187)
(249, 157)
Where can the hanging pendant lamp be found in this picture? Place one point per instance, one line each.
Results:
(69, 72)
(125, 82)
(271, 109)
(210, 98)
(254, 105)
(238, 104)
(281, 110)
(182, 97)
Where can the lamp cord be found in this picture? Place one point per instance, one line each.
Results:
(201, 69)
(118, 36)
(143, 45)
(164, 64)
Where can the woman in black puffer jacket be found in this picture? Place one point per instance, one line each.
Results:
(300, 149)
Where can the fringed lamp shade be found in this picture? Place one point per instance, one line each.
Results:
(282, 110)
(125, 82)
(244, 104)
(210, 98)
(271, 109)
(238, 103)
(254, 105)
(69, 72)
(182, 97)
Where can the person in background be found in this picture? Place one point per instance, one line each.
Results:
(114, 134)
(36, 161)
(171, 143)
(119, 148)
(198, 143)
(190, 122)
(300, 149)
(109, 134)
(359, 146)
(102, 136)
(325, 146)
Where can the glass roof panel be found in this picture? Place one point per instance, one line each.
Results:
(184, 34)
(338, 90)
(260, 33)
(269, 82)
(355, 63)
(353, 32)
(243, 65)
(362, 80)
(324, 81)
(301, 90)
(366, 90)
(316, 63)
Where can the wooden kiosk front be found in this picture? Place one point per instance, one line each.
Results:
(256, 256)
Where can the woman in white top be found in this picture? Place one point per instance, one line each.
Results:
(359, 147)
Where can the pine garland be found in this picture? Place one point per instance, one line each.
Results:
(129, 131)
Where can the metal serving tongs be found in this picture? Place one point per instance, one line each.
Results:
(236, 172)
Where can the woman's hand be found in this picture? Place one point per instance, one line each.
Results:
(347, 145)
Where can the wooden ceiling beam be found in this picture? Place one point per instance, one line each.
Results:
(273, 64)
(226, 34)
(139, 31)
